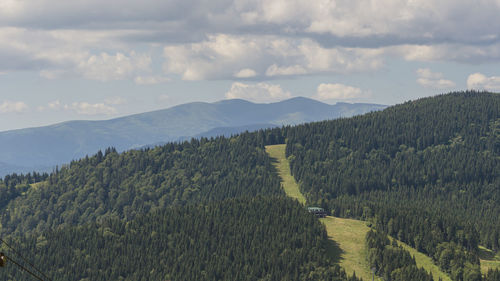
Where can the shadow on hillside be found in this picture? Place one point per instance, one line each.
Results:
(334, 251)
(274, 161)
(487, 254)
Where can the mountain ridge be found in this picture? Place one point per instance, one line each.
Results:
(47, 146)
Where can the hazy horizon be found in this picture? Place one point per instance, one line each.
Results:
(89, 60)
(173, 106)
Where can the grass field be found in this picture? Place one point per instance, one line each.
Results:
(425, 262)
(349, 244)
(488, 259)
(347, 236)
(277, 152)
(38, 184)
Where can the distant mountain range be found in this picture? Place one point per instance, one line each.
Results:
(44, 147)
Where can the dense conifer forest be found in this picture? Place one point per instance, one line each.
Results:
(391, 261)
(258, 238)
(198, 210)
(425, 172)
(127, 185)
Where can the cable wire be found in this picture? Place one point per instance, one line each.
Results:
(24, 259)
(24, 268)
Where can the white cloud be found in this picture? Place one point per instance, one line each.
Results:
(275, 70)
(10, 7)
(260, 92)
(478, 81)
(245, 73)
(221, 56)
(422, 20)
(434, 80)
(150, 80)
(85, 108)
(164, 98)
(447, 52)
(61, 39)
(13, 107)
(338, 91)
(396, 20)
(63, 53)
(54, 105)
(106, 67)
(115, 101)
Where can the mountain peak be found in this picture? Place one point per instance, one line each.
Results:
(61, 143)
(233, 101)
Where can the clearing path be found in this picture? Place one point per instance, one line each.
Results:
(350, 236)
(283, 166)
(347, 236)
(488, 259)
(425, 262)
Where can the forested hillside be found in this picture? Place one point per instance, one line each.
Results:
(426, 172)
(123, 186)
(236, 239)
(199, 210)
(45, 147)
(391, 261)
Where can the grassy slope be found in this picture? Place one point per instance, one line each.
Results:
(425, 262)
(488, 259)
(39, 184)
(347, 236)
(350, 236)
(289, 184)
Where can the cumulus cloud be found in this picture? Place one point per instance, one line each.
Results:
(150, 80)
(275, 70)
(66, 53)
(245, 73)
(105, 67)
(115, 100)
(260, 92)
(101, 67)
(13, 107)
(399, 21)
(448, 52)
(423, 20)
(164, 98)
(221, 56)
(479, 81)
(85, 108)
(337, 91)
(54, 105)
(258, 39)
(434, 80)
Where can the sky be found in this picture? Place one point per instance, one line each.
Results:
(88, 59)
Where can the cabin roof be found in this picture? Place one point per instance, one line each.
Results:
(317, 209)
